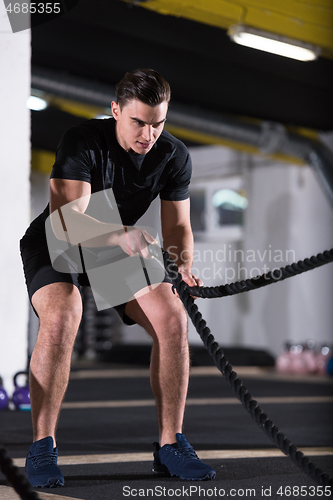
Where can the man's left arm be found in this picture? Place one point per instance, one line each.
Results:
(178, 237)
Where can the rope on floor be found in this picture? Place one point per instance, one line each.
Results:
(15, 478)
(222, 363)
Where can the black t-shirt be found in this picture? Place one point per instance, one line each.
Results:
(90, 152)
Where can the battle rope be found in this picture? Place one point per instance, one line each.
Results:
(15, 478)
(242, 393)
(265, 279)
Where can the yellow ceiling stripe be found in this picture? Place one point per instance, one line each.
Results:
(76, 108)
(42, 161)
(203, 138)
(303, 11)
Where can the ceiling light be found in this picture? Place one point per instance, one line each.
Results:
(273, 43)
(103, 116)
(36, 103)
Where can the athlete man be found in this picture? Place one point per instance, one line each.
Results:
(134, 156)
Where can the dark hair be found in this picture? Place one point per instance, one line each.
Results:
(146, 85)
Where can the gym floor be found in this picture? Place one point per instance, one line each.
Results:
(108, 424)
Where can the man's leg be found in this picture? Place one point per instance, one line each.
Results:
(59, 307)
(163, 316)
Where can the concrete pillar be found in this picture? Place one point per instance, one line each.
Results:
(15, 54)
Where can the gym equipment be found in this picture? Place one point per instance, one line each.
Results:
(21, 395)
(4, 400)
(323, 358)
(303, 358)
(283, 361)
(310, 356)
(99, 331)
(15, 477)
(330, 367)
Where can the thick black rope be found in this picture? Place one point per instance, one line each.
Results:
(242, 393)
(15, 478)
(265, 279)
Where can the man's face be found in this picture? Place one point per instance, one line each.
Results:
(139, 125)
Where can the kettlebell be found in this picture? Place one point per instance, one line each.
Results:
(330, 367)
(4, 400)
(21, 396)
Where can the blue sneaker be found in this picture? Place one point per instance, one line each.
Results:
(41, 465)
(180, 460)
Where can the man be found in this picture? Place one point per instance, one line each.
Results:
(134, 156)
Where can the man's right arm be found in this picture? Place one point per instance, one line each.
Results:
(69, 200)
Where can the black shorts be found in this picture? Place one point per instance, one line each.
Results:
(38, 272)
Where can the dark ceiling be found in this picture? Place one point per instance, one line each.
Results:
(99, 40)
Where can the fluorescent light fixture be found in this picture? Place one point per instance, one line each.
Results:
(103, 116)
(36, 103)
(273, 43)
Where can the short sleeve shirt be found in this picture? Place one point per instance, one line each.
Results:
(90, 152)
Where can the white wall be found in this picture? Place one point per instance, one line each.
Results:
(289, 212)
(15, 196)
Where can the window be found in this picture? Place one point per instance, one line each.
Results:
(217, 209)
(230, 206)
